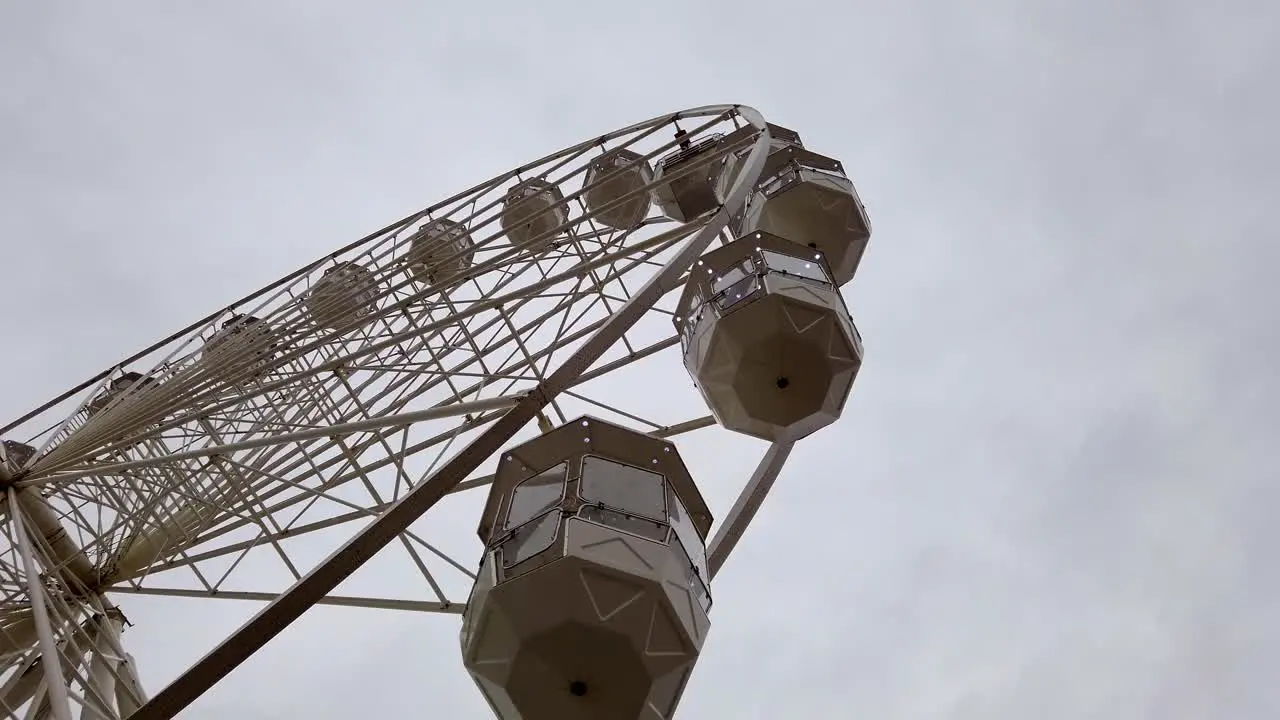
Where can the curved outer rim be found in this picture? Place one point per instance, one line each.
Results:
(278, 614)
(338, 566)
(711, 225)
(749, 114)
(330, 572)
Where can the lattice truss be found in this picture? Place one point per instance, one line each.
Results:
(208, 468)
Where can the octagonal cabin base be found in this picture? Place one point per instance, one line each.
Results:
(344, 298)
(532, 210)
(591, 601)
(767, 338)
(694, 180)
(806, 198)
(241, 350)
(439, 251)
(608, 631)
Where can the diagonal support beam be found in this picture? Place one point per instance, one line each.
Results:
(335, 600)
(745, 507)
(375, 423)
(50, 659)
(326, 576)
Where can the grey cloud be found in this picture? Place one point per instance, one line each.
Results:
(1052, 493)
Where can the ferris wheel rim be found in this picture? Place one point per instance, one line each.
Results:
(42, 461)
(269, 621)
(734, 199)
(704, 230)
(748, 113)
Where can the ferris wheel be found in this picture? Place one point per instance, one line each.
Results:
(512, 342)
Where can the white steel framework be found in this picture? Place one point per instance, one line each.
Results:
(189, 473)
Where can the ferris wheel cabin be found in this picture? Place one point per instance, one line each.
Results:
(780, 138)
(345, 296)
(592, 598)
(807, 198)
(126, 388)
(614, 183)
(241, 350)
(695, 179)
(533, 209)
(767, 338)
(439, 251)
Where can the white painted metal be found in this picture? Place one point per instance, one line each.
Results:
(205, 480)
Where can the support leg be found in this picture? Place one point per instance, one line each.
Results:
(56, 685)
(101, 688)
(746, 506)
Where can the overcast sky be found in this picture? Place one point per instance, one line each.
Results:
(1052, 493)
